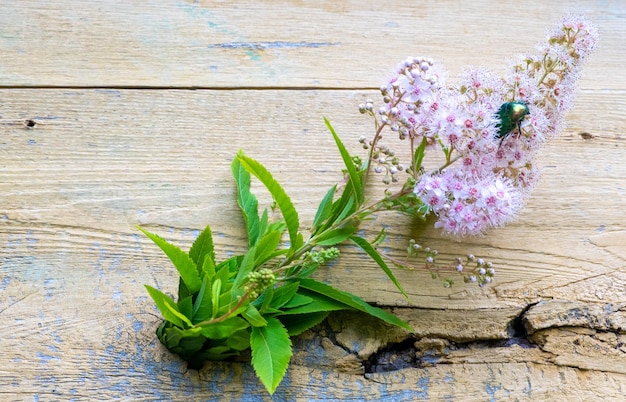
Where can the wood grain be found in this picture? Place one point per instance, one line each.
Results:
(323, 44)
(116, 114)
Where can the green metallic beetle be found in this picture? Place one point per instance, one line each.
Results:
(511, 115)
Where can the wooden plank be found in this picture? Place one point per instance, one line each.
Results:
(275, 44)
(81, 166)
(98, 162)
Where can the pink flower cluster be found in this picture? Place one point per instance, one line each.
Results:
(484, 181)
(468, 204)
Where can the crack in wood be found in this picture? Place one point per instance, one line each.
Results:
(15, 302)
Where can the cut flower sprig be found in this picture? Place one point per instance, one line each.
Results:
(486, 130)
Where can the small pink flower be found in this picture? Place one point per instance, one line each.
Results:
(490, 202)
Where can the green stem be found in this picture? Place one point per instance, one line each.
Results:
(225, 316)
(549, 69)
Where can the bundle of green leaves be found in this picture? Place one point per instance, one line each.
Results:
(259, 299)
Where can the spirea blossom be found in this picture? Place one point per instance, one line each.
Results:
(487, 174)
(468, 204)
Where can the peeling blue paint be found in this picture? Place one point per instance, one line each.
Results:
(430, 359)
(48, 285)
(57, 338)
(136, 324)
(53, 348)
(44, 358)
(422, 387)
(116, 296)
(491, 390)
(5, 282)
(30, 240)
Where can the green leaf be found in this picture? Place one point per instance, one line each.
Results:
(227, 268)
(202, 306)
(319, 302)
(183, 263)
(380, 237)
(418, 156)
(182, 290)
(216, 289)
(223, 329)
(266, 247)
(355, 177)
(264, 299)
(341, 208)
(299, 242)
(168, 307)
(253, 316)
(283, 294)
(218, 353)
(298, 300)
(298, 323)
(208, 266)
(173, 338)
(180, 315)
(325, 208)
(348, 208)
(371, 251)
(240, 340)
(247, 265)
(247, 202)
(264, 223)
(353, 301)
(186, 308)
(271, 352)
(335, 236)
(278, 193)
(202, 248)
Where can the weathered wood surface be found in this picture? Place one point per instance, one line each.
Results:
(120, 139)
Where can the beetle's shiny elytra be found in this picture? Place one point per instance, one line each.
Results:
(511, 115)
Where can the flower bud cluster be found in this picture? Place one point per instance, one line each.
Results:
(311, 260)
(384, 160)
(258, 281)
(322, 256)
(408, 96)
(427, 254)
(473, 270)
(481, 271)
